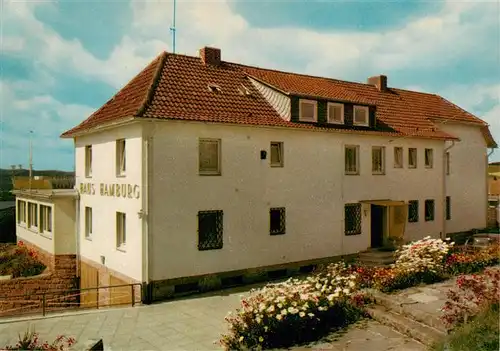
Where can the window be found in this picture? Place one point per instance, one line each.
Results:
(88, 222)
(308, 111)
(352, 219)
(45, 219)
(447, 160)
(361, 116)
(351, 160)
(210, 226)
(120, 157)
(121, 230)
(88, 161)
(209, 156)
(32, 215)
(429, 162)
(378, 160)
(429, 210)
(21, 211)
(276, 154)
(412, 157)
(398, 157)
(335, 113)
(448, 208)
(277, 221)
(413, 211)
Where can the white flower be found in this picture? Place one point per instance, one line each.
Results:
(279, 317)
(352, 284)
(330, 297)
(270, 309)
(345, 291)
(241, 338)
(310, 314)
(261, 339)
(280, 305)
(284, 312)
(302, 314)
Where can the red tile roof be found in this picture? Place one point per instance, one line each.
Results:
(177, 87)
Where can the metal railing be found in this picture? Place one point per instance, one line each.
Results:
(74, 299)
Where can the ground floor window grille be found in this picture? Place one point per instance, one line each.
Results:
(352, 219)
(277, 220)
(210, 230)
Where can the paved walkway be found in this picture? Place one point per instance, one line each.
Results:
(185, 324)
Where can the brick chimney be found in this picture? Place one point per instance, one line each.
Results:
(210, 56)
(379, 81)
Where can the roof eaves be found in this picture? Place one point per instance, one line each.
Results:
(81, 130)
(154, 84)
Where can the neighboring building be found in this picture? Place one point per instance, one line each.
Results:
(200, 167)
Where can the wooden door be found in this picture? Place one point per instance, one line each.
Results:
(89, 278)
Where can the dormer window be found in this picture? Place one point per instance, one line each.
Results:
(335, 113)
(361, 116)
(308, 111)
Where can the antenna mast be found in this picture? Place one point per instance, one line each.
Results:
(173, 29)
(31, 158)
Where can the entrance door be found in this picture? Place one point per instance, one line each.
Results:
(377, 225)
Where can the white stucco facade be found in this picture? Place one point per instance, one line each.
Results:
(101, 246)
(312, 186)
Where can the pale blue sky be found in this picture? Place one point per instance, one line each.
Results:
(62, 60)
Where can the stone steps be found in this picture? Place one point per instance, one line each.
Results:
(376, 258)
(414, 329)
(394, 304)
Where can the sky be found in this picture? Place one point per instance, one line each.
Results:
(60, 61)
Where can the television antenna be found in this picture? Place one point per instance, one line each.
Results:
(173, 29)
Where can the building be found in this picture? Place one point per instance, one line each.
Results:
(204, 170)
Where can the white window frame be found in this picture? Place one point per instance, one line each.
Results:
(31, 214)
(88, 161)
(312, 102)
(398, 163)
(349, 171)
(367, 113)
(335, 104)
(121, 230)
(121, 157)
(46, 219)
(280, 161)
(88, 222)
(21, 212)
(410, 164)
(380, 169)
(429, 161)
(203, 171)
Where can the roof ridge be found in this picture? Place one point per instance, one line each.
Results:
(154, 84)
(456, 107)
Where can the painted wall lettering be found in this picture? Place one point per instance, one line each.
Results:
(130, 191)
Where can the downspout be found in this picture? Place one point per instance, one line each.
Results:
(342, 175)
(488, 186)
(445, 151)
(145, 216)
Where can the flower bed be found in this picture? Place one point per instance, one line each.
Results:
(19, 261)
(31, 341)
(296, 311)
(302, 310)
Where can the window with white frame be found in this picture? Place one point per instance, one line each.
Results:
(21, 211)
(209, 156)
(88, 161)
(352, 159)
(361, 116)
(88, 222)
(429, 162)
(308, 111)
(398, 157)
(45, 219)
(412, 157)
(276, 154)
(120, 157)
(121, 230)
(32, 215)
(335, 113)
(378, 160)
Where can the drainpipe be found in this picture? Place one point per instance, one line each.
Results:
(443, 234)
(77, 221)
(488, 186)
(342, 175)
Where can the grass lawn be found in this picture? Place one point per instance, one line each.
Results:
(480, 334)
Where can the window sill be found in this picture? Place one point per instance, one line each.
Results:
(361, 124)
(210, 173)
(276, 165)
(398, 167)
(412, 167)
(429, 167)
(121, 248)
(308, 120)
(121, 175)
(352, 234)
(352, 173)
(46, 236)
(378, 173)
(88, 176)
(336, 122)
(89, 238)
